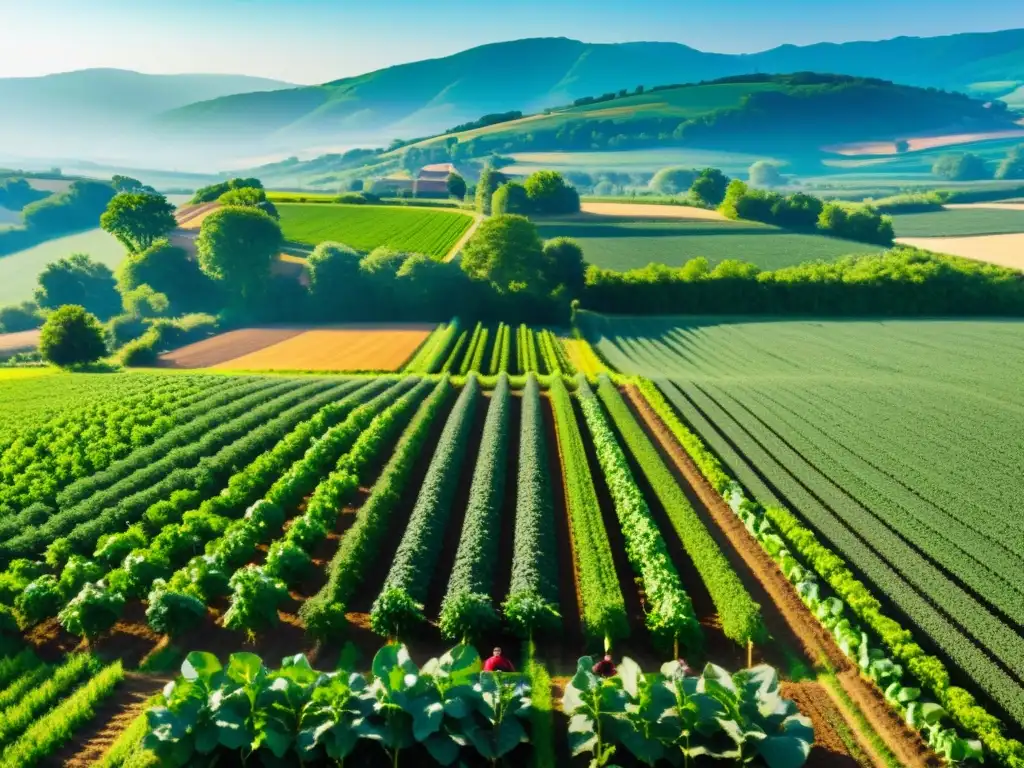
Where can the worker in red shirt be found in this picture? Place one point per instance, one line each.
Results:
(498, 663)
(605, 667)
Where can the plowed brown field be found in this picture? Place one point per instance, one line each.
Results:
(16, 342)
(380, 347)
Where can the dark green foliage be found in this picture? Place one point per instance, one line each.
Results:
(490, 180)
(236, 247)
(549, 193)
(565, 266)
(510, 197)
(709, 187)
(965, 166)
(467, 612)
(1012, 167)
(16, 193)
(900, 282)
(170, 271)
(456, 186)
(79, 280)
(335, 281)
(413, 567)
(138, 220)
(92, 611)
(532, 602)
(506, 252)
(20, 317)
(79, 207)
(214, 191)
(71, 336)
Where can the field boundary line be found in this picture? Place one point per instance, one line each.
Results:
(477, 221)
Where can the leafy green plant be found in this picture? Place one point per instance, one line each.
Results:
(254, 600)
(92, 611)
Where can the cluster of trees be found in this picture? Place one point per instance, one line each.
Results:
(16, 193)
(543, 193)
(214, 191)
(902, 281)
(486, 120)
(801, 211)
(968, 166)
(704, 188)
(79, 207)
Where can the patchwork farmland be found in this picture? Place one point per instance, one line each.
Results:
(364, 227)
(896, 442)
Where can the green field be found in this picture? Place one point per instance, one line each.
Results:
(19, 271)
(959, 222)
(634, 160)
(899, 441)
(624, 245)
(365, 227)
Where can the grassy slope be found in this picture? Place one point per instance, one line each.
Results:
(365, 227)
(959, 223)
(629, 245)
(19, 271)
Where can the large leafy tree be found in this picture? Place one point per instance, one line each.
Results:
(565, 265)
(490, 180)
(170, 271)
(80, 207)
(511, 197)
(336, 286)
(456, 186)
(138, 219)
(71, 336)
(964, 166)
(709, 187)
(549, 192)
(79, 280)
(507, 252)
(236, 248)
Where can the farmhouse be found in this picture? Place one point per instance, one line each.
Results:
(431, 181)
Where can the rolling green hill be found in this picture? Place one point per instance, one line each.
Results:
(427, 97)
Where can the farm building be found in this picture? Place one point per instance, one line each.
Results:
(431, 181)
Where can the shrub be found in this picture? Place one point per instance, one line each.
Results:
(20, 317)
(71, 336)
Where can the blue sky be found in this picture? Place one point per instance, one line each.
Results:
(307, 41)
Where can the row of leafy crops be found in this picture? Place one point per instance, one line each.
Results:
(434, 351)
(526, 350)
(467, 610)
(479, 337)
(603, 607)
(324, 613)
(47, 730)
(132, 559)
(780, 532)
(42, 461)
(670, 618)
(295, 714)
(501, 350)
(400, 603)
(532, 602)
(739, 614)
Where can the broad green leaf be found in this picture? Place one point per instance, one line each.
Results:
(200, 666)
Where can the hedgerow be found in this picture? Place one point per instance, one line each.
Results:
(398, 606)
(532, 602)
(324, 614)
(467, 611)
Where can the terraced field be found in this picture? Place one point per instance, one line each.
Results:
(898, 442)
(365, 227)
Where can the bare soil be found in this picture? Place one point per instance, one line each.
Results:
(830, 750)
(649, 211)
(20, 341)
(227, 346)
(783, 606)
(1004, 250)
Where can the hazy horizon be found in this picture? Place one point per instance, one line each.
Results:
(315, 41)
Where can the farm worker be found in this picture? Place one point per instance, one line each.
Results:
(605, 667)
(498, 663)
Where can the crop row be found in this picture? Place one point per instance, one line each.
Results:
(193, 422)
(833, 569)
(432, 355)
(604, 610)
(49, 732)
(127, 498)
(988, 630)
(43, 461)
(478, 336)
(324, 613)
(399, 605)
(740, 615)
(206, 577)
(532, 602)
(19, 715)
(927, 669)
(140, 564)
(467, 610)
(258, 590)
(455, 355)
(526, 350)
(500, 352)
(671, 617)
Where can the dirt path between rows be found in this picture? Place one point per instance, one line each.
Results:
(127, 702)
(816, 642)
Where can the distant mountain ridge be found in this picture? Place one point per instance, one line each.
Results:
(429, 96)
